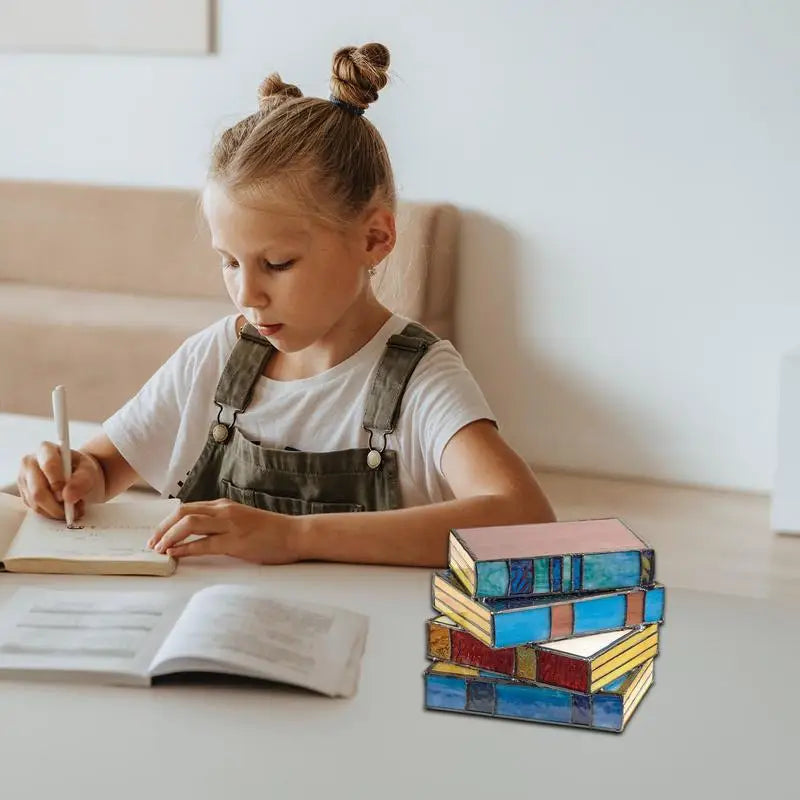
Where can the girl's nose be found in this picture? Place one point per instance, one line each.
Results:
(250, 292)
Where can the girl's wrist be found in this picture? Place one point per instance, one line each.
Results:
(301, 534)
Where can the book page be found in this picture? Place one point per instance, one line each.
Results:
(240, 629)
(47, 631)
(12, 512)
(107, 532)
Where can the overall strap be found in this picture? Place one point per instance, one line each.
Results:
(243, 369)
(403, 352)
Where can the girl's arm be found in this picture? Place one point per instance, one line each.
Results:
(492, 486)
(491, 483)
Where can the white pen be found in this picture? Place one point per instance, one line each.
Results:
(62, 431)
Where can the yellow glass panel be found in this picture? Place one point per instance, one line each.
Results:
(630, 641)
(646, 564)
(623, 657)
(627, 713)
(526, 663)
(446, 668)
(463, 604)
(462, 576)
(621, 670)
(438, 641)
(642, 674)
(630, 703)
(455, 558)
(461, 559)
(457, 547)
(463, 621)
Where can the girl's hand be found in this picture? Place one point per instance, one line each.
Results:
(41, 481)
(228, 528)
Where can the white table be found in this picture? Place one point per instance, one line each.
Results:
(720, 721)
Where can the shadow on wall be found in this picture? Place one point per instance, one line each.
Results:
(549, 414)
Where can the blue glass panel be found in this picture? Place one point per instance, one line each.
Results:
(486, 673)
(444, 691)
(541, 572)
(577, 572)
(556, 567)
(566, 574)
(522, 626)
(534, 702)
(607, 712)
(521, 576)
(581, 709)
(480, 696)
(599, 614)
(615, 684)
(492, 578)
(611, 570)
(654, 605)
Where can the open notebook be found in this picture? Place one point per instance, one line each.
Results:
(112, 539)
(133, 637)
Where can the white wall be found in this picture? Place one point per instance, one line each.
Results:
(629, 173)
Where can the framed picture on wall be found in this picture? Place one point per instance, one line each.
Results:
(177, 27)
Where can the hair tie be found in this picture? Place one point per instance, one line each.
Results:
(347, 106)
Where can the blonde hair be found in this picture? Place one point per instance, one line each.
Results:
(332, 161)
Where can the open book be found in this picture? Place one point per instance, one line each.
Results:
(132, 637)
(111, 540)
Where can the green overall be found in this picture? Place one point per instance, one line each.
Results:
(291, 481)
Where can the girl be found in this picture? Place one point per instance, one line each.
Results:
(314, 423)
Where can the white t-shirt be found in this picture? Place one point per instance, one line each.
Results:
(162, 430)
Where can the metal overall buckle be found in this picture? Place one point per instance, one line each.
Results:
(374, 457)
(221, 431)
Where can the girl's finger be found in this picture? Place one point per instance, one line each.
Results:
(80, 483)
(39, 495)
(206, 507)
(208, 545)
(48, 458)
(192, 524)
(23, 493)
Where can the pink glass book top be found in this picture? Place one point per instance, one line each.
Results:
(548, 539)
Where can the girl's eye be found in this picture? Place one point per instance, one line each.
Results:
(279, 267)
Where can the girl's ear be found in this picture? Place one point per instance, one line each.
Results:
(379, 235)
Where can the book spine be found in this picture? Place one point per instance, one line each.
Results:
(567, 573)
(514, 700)
(541, 665)
(607, 612)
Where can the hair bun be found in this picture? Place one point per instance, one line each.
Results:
(273, 92)
(359, 73)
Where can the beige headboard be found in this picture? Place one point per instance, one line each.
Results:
(99, 285)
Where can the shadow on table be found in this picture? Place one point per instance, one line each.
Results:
(201, 678)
